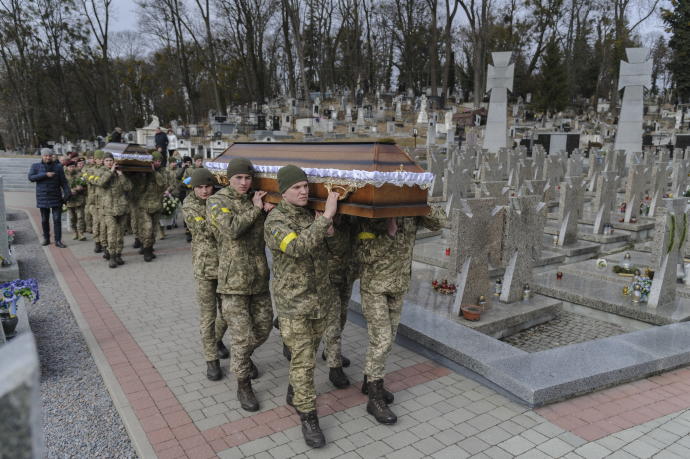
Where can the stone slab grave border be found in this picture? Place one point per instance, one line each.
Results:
(548, 376)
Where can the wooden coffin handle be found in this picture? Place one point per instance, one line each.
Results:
(343, 190)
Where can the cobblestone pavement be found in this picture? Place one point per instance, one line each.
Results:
(143, 318)
(567, 328)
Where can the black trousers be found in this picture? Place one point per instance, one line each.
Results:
(57, 222)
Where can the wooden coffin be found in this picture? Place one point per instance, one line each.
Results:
(375, 180)
(130, 157)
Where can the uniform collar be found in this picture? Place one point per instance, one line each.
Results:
(293, 210)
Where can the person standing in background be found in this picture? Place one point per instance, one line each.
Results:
(52, 190)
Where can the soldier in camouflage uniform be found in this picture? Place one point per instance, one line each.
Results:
(184, 174)
(77, 200)
(94, 195)
(205, 259)
(149, 189)
(342, 269)
(385, 253)
(237, 218)
(114, 185)
(302, 288)
(83, 171)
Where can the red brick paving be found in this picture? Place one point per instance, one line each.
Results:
(168, 428)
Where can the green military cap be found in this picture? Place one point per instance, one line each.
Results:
(202, 177)
(89, 154)
(289, 175)
(156, 155)
(98, 154)
(198, 156)
(107, 155)
(240, 166)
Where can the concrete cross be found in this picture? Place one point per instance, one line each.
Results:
(658, 186)
(476, 235)
(570, 209)
(669, 244)
(522, 243)
(604, 200)
(679, 176)
(634, 191)
(499, 80)
(633, 77)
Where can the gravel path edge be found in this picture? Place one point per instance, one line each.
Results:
(134, 429)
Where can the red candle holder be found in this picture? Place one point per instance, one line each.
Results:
(448, 252)
(559, 275)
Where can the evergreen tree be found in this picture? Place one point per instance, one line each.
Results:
(678, 20)
(552, 90)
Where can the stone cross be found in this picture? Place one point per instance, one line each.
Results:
(431, 133)
(499, 80)
(423, 117)
(634, 75)
(604, 200)
(669, 245)
(570, 210)
(634, 191)
(522, 243)
(436, 166)
(476, 232)
(679, 177)
(659, 181)
(595, 167)
(493, 189)
(574, 167)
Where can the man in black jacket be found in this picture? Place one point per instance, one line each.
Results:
(116, 136)
(161, 139)
(52, 190)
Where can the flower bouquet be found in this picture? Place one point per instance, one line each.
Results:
(10, 294)
(170, 204)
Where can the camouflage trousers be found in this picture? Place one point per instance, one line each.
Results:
(87, 219)
(336, 320)
(97, 226)
(114, 232)
(250, 319)
(147, 226)
(211, 322)
(302, 336)
(134, 220)
(382, 313)
(76, 219)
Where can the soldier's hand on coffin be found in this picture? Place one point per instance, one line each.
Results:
(257, 199)
(330, 231)
(391, 226)
(268, 206)
(331, 204)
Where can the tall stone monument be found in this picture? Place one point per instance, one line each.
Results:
(634, 75)
(499, 81)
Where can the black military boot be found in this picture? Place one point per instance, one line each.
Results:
(106, 254)
(245, 395)
(98, 248)
(290, 395)
(338, 377)
(213, 372)
(223, 352)
(188, 235)
(119, 260)
(137, 243)
(112, 263)
(141, 250)
(387, 396)
(255, 370)
(376, 406)
(286, 352)
(148, 254)
(343, 359)
(311, 429)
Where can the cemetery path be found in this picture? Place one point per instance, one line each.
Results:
(140, 323)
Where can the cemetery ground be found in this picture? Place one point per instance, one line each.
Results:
(123, 376)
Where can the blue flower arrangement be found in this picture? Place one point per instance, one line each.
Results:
(11, 292)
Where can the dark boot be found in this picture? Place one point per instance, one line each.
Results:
(387, 396)
(112, 263)
(255, 370)
(141, 250)
(287, 353)
(338, 378)
(245, 395)
(223, 352)
(311, 429)
(148, 254)
(188, 236)
(290, 395)
(98, 248)
(137, 243)
(45, 242)
(276, 324)
(345, 361)
(106, 254)
(213, 372)
(376, 406)
(119, 260)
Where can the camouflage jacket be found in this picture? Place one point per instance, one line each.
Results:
(301, 282)
(113, 195)
(74, 179)
(238, 226)
(385, 261)
(342, 264)
(204, 246)
(149, 190)
(92, 176)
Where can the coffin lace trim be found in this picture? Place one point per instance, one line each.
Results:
(342, 176)
(137, 157)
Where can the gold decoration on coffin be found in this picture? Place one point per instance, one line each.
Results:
(342, 190)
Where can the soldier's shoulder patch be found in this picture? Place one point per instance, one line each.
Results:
(199, 219)
(225, 210)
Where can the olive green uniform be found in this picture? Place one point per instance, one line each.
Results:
(114, 204)
(238, 227)
(386, 264)
(205, 260)
(94, 195)
(149, 189)
(302, 290)
(76, 202)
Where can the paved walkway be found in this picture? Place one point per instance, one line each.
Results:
(140, 321)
